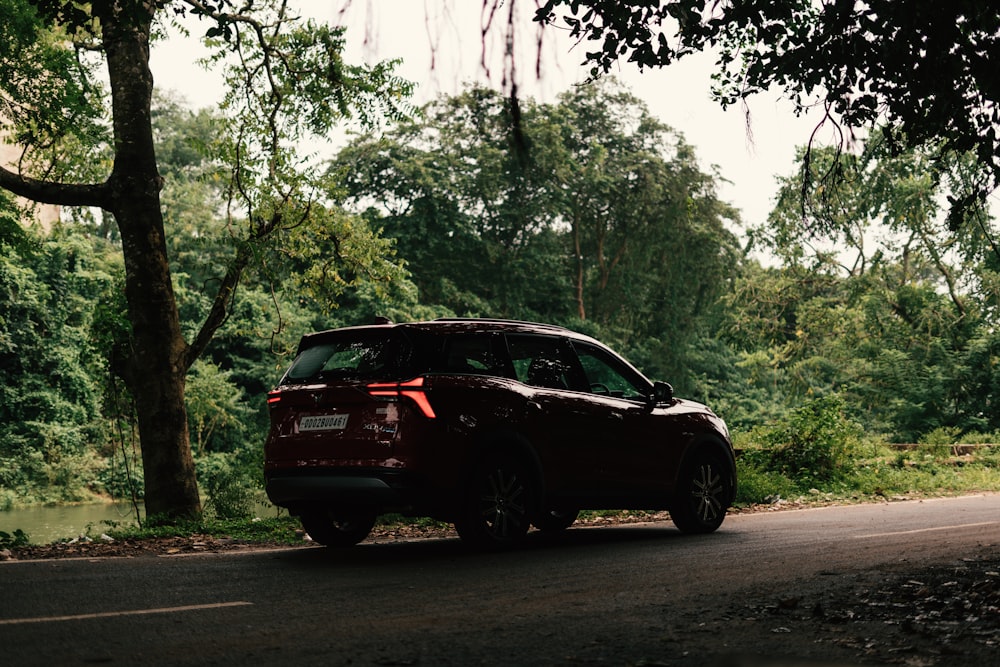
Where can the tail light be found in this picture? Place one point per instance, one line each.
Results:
(273, 398)
(412, 389)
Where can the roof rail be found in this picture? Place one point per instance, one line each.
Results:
(500, 320)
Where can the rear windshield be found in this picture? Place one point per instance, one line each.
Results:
(376, 354)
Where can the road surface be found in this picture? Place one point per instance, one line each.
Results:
(640, 594)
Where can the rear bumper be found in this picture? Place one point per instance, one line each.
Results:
(378, 490)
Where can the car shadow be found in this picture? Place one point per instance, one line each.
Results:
(578, 538)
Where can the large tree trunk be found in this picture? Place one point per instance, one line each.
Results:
(155, 370)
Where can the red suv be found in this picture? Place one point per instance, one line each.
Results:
(493, 425)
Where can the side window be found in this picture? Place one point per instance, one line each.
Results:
(542, 362)
(607, 376)
(473, 353)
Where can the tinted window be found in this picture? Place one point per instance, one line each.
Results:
(379, 354)
(607, 375)
(542, 362)
(472, 353)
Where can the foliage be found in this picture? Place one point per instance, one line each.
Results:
(814, 443)
(873, 298)
(873, 472)
(289, 84)
(759, 486)
(592, 193)
(13, 540)
(924, 69)
(275, 529)
(47, 99)
(50, 413)
(229, 487)
(216, 408)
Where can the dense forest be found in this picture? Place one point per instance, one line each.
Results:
(854, 297)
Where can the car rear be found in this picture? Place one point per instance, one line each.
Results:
(346, 420)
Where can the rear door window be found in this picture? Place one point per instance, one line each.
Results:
(543, 361)
(473, 353)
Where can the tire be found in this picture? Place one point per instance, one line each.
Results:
(705, 488)
(338, 529)
(554, 520)
(498, 504)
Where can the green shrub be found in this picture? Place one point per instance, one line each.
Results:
(943, 435)
(18, 538)
(758, 486)
(812, 444)
(229, 488)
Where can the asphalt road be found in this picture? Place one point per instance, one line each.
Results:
(639, 594)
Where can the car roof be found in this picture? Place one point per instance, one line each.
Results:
(451, 325)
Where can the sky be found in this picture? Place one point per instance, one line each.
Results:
(440, 46)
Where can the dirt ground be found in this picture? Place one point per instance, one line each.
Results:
(946, 615)
(919, 616)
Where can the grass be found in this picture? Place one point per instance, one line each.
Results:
(280, 530)
(873, 473)
(876, 472)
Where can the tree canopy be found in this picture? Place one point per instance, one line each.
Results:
(603, 199)
(920, 73)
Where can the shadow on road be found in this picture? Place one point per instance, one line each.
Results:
(580, 540)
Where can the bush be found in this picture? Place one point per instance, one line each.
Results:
(18, 538)
(229, 488)
(814, 443)
(942, 436)
(758, 486)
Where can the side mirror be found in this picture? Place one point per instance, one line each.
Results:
(662, 393)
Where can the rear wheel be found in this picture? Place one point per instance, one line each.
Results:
(498, 503)
(704, 491)
(338, 529)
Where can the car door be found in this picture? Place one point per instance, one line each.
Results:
(633, 439)
(558, 419)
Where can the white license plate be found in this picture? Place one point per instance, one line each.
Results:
(323, 423)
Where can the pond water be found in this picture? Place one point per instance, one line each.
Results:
(49, 524)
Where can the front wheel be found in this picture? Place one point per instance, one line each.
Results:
(498, 504)
(338, 529)
(704, 490)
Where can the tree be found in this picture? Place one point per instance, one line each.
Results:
(593, 214)
(288, 81)
(923, 71)
(882, 207)
(469, 209)
(874, 300)
(649, 235)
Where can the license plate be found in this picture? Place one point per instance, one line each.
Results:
(323, 423)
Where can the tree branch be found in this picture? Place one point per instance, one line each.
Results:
(57, 194)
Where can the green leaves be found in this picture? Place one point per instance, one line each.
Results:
(814, 443)
(925, 69)
(50, 373)
(596, 214)
(47, 94)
